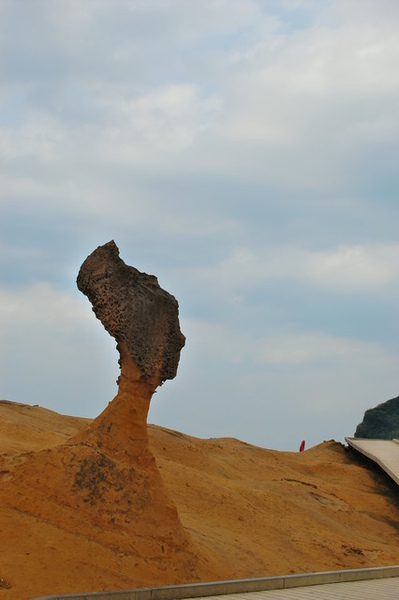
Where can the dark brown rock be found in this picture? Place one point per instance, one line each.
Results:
(141, 316)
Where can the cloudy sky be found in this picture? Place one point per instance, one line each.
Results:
(243, 151)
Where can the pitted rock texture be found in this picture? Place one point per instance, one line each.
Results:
(141, 316)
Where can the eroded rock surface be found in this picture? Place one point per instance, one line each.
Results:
(136, 311)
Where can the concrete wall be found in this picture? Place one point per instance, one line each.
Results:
(218, 588)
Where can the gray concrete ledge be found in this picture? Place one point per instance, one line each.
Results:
(384, 453)
(218, 588)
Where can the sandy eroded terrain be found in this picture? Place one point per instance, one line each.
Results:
(247, 512)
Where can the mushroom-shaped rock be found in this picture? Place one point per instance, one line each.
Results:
(144, 320)
(104, 481)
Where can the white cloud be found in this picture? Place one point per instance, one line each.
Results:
(303, 109)
(381, 13)
(41, 136)
(41, 304)
(213, 17)
(298, 109)
(357, 269)
(279, 349)
(167, 119)
(302, 348)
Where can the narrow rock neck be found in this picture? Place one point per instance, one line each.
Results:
(121, 429)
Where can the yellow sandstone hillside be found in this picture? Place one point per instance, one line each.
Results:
(242, 511)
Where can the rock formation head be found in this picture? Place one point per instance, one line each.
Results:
(141, 316)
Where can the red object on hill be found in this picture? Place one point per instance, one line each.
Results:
(302, 446)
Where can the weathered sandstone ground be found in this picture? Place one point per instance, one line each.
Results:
(242, 511)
